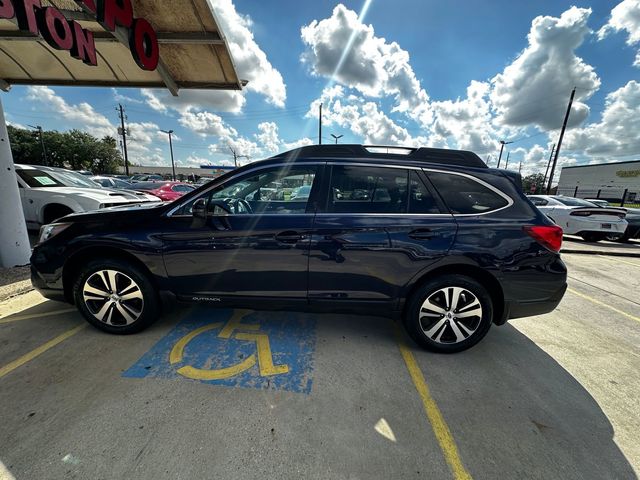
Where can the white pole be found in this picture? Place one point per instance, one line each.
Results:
(14, 240)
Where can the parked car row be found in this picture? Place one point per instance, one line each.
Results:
(591, 219)
(49, 193)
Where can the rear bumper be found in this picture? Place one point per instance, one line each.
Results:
(530, 309)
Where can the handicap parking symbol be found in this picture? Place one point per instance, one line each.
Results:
(235, 348)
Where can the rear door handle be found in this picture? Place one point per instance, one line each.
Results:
(289, 237)
(421, 234)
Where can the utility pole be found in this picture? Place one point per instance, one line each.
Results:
(502, 144)
(546, 172)
(488, 160)
(520, 167)
(506, 165)
(173, 165)
(124, 139)
(236, 156)
(320, 126)
(564, 127)
(44, 150)
(337, 137)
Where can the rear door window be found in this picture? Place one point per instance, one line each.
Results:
(464, 195)
(359, 189)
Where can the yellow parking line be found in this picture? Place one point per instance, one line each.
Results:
(602, 304)
(17, 318)
(38, 351)
(438, 423)
(617, 259)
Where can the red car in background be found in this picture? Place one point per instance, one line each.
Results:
(165, 191)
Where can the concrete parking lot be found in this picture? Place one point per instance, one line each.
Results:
(210, 393)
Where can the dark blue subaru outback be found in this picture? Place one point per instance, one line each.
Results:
(432, 237)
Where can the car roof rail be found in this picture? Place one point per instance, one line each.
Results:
(382, 152)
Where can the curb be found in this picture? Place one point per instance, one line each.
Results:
(600, 252)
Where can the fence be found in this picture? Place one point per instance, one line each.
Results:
(616, 197)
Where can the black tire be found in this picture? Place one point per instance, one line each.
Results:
(55, 212)
(148, 305)
(479, 325)
(619, 238)
(593, 236)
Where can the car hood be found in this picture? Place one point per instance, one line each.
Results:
(99, 194)
(129, 209)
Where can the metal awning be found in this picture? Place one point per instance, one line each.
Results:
(193, 51)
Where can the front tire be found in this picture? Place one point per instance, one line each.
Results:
(449, 314)
(115, 296)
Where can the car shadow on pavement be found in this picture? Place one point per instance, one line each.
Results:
(515, 412)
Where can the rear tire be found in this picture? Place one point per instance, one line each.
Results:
(449, 314)
(115, 296)
(593, 236)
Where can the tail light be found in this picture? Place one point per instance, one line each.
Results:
(549, 236)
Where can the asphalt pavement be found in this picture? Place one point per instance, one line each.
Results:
(210, 393)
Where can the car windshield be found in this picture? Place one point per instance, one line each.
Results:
(575, 202)
(37, 178)
(70, 178)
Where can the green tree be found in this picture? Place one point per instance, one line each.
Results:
(74, 149)
(533, 183)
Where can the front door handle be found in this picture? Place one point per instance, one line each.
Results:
(289, 237)
(421, 234)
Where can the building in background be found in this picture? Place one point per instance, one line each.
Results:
(182, 173)
(608, 181)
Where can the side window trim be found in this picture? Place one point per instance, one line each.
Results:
(499, 192)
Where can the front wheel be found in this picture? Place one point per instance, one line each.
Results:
(115, 297)
(449, 314)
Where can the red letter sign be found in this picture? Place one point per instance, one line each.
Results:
(84, 47)
(54, 28)
(115, 12)
(143, 43)
(26, 14)
(6, 9)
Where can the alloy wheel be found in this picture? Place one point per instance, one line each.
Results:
(113, 297)
(450, 315)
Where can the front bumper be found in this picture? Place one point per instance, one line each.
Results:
(52, 291)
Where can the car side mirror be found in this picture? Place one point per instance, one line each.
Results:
(199, 208)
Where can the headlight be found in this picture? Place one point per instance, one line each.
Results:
(51, 230)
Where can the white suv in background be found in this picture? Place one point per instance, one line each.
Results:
(47, 196)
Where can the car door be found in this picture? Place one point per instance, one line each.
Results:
(258, 250)
(379, 226)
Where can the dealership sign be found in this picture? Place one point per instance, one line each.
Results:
(63, 34)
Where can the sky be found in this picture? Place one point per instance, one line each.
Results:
(455, 74)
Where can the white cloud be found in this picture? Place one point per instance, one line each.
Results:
(616, 134)
(118, 97)
(535, 88)
(251, 64)
(467, 124)
(206, 123)
(363, 118)
(373, 66)
(268, 136)
(81, 116)
(625, 16)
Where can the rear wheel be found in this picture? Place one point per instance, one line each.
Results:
(115, 297)
(593, 236)
(449, 314)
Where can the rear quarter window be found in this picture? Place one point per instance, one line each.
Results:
(464, 195)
